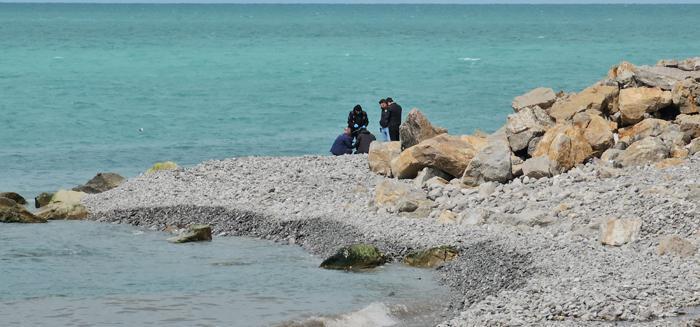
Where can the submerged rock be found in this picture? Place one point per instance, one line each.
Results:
(355, 257)
(14, 197)
(42, 199)
(100, 183)
(417, 128)
(158, 166)
(432, 257)
(13, 212)
(193, 233)
(64, 205)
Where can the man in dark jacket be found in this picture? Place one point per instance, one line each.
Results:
(343, 144)
(357, 119)
(384, 121)
(394, 119)
(364, 138)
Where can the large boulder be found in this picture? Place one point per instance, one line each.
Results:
(432, 257)
(13, 212)
(527, 124)
(355, 257)
(537, 167)
(447, 153)
(565, 146)
(491, 164)
(617, 232)
(643, 152)
(540, 97)
(690, 64)
(381, 154)
(664, 78)
(636, 102)
(64, 205)
(690, 125)
(598, 97)
(159, 166)
(597, 131)
(417, 128)
(14, 197)
(193, 233)
(100, 183)
(686, 96)
(645, 128)
(623, 74)
(42, 199)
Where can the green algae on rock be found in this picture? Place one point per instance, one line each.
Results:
(12, 212)
(14, 196)
(432, 257)
(42, 199)
(158, 166)
(355, 257)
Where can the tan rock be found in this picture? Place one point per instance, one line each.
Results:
(447, 217)
(686, 95)
(565, 145)
(617, 232)
(432, 257)
(645, 128)
(679, 152)
(491, 164)
(525, 125)
(399, 197)
(417, 128)
(381, 154)
(623, 74)
(690, 125)
(447, 153)
(540, 97)
(693, 147)
(597, 97)
(643, 152)
(193, 233)
(677, 246)
(669, 162)
(635, 102)
(64, 205)
(597, 131)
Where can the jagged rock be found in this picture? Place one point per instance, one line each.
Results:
(447, 153)
(193, 233)
(667, 63)
(158, 166)
(597, 131)
(14, 197)
(355, 257)
(690, 64)
(540, 97)
(690, 125)
(381, 154)
(432, 257)
(491, 164)
(447, 217)
(643, 152)
(417, 128)
(426, 174)
(100, 183)
(597, 97)
(662, 77)
(694, 146)
(645, 128)
(13, 212)
(623, 74)
(669, 162)
(42, 199)
(435, 182)
(686, 96)
(611, 155)
(565, 146)
(537, 167)
(677, 246)
(527, 124)
(617, 232)
(64, 205)
(532, 146)
(636, 102)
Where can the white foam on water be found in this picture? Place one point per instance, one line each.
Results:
(469, 59)
(374, 315)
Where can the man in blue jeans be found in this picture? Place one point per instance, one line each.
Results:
(343, 143)
(384, 121)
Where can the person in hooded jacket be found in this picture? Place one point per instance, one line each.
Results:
(343, 144)
(384, 120)
(394, 119)
(357, 118)
(363, 140)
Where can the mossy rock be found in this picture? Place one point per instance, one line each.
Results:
(64, 205)
(42, 199)
(194, 233)
(12, 212)
(432, 257)
(102, 182)
(158, 166)
(14, 196)
(355, 257)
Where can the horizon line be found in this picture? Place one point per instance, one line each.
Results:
(194, 2)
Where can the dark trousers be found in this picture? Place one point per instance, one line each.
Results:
(394, 133)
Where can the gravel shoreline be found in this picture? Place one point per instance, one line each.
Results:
(509, 272)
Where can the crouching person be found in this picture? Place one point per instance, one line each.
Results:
(343, 143)
(363, 139)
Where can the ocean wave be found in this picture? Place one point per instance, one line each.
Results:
(374, 315)
(469, 59)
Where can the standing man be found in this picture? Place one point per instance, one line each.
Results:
(357, 119)
(394, 119)
(384, 121)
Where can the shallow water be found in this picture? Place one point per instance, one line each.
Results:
(86, 273)
(78, 81)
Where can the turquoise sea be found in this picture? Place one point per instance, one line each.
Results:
(78, 81)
